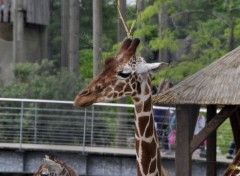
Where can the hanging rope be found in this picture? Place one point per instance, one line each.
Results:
(128, 32)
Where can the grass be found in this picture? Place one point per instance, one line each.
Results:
(224, 136)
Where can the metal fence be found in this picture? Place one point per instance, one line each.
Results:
(27, 121)
(58, 122)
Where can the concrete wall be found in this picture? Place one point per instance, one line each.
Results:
(35, 43)
(88, 164)
(6, 31)
(34, 47)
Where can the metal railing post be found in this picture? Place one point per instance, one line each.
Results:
(35, 122)
(92, 125)
(21, 125)
(84, 129)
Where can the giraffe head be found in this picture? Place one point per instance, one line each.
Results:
(121, 76)
(52, 166)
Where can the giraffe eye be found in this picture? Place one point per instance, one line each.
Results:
(124, 75)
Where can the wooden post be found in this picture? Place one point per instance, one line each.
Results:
(97, 36)
(186, 120)
(18, 31)
(211, 143)
(235, 123)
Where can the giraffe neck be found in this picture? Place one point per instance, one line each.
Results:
(147, 143)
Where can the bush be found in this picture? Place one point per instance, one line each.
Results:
(42, 81)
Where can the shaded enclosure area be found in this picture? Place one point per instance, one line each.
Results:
(215, 86)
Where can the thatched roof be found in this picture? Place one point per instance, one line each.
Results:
(218, 83)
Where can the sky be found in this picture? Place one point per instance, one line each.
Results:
(131, 2)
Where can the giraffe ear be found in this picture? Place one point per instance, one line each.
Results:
(150, 67)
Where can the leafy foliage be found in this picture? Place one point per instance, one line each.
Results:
(224, 136)
(41, 82)
(86, 63)
(205, 25)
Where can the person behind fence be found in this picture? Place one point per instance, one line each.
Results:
(162, 117)
(200, 124)
(1, 9)
(231, 151)
(1, 4)
(172, 133)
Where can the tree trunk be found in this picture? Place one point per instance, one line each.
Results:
(70, 35)
(231, 27)
(121, 30)
(18, 32)
(97, 36)
(163, 25)
(65, 32)
(73, 49)
(140, 8)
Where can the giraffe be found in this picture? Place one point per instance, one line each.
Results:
(52, 167)
(127, 75)
(234, 168)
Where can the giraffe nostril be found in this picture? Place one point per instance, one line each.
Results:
(85, 92)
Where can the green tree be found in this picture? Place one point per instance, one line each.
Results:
(197, 33)
(54, 32)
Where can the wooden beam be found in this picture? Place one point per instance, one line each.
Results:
(213, 125)
(186, 120)
(235, 123)
(211, 143)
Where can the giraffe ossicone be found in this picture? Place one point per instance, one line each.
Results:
(127, 75)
